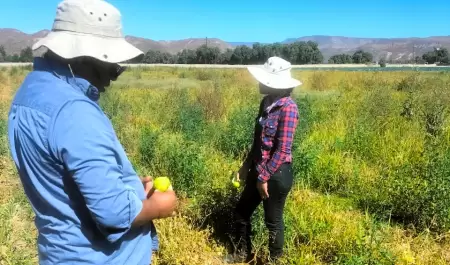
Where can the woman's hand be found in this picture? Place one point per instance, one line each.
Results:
(262, 189)
(243, 171)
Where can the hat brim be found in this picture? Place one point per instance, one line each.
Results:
(70, 45)
(272, 80)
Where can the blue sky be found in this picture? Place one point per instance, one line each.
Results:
(253, 20)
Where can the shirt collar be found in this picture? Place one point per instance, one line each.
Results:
(280, 102)
(62, 71)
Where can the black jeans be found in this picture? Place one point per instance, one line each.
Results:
(279, 186)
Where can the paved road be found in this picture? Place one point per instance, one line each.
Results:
(244, 66)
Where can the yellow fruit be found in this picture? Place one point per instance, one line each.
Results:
(161, 183)
(236, 184)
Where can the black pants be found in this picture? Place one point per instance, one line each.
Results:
(279, 186)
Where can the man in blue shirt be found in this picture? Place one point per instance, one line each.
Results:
(90, 206)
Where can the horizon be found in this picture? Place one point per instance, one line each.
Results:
(256, 21)
(337, 36)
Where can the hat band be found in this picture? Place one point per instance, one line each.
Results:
(60, 25)
(285, 73)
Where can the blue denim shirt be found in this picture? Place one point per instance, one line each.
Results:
(75, 173)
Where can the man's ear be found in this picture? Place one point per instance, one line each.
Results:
(118, 71)
(121, 69)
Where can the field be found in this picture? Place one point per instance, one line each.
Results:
(371, 157)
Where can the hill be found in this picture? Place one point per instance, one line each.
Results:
(395, 49)
(390, 48)
(14, 41)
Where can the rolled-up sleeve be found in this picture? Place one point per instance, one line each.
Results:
(83, 139)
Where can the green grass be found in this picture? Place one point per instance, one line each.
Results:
(371, 160)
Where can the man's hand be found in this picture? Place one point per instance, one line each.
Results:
(150, 191)
(166, 203)
(262, 189)
(159, 205)
(148, 185)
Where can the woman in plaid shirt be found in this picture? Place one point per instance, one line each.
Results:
(267, 171)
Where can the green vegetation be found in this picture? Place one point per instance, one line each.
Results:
(359, 57)
(299, 52)
(438, 55)
(372, 163)
(26, 55)
(340, 59)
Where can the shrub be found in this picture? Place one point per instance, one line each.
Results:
(210, 99)
(318, 81)
(14, 71)
(147, 146)
(188, 116)
(190, 122)
(4, 148)
(111, 103)
(237, 137)
(204, 74)
(183, 161)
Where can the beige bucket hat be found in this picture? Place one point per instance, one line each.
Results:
(88, 28)
(275, 73)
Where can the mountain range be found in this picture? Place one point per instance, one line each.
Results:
(395, 49)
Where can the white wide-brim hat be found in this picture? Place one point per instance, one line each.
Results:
(90, 28)
(275, 73)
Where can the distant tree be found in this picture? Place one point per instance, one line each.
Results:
(419, 60)
(157, 57)
(340, 59)
(242, 55)
(362, 57)
(13, 59)
(187, 57)
(152, 57)
(297, 53)
(277, 49)
(442, 56)
(225, 57)
(438, 55)
(168, 58)
(207, 55)
(26, 55)
(260, 53)
(292, 52)
(382, 62)
(316, 54)
(2, 54)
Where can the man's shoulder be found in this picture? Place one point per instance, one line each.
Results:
(44, 92)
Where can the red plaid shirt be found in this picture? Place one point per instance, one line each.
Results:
(278, 123)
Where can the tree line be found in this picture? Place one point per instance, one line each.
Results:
(359, 57)
(26, 55)
(438, 56)
(297, 53)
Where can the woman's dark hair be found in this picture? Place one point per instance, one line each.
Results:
(283, 92)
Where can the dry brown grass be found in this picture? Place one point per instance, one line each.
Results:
(182, 244)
